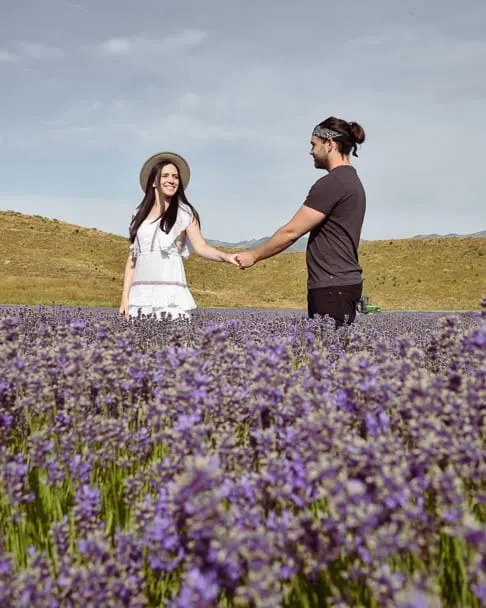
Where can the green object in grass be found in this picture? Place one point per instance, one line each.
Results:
(364, 307)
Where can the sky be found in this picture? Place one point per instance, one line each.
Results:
(90, 88)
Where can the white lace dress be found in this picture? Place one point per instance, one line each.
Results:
(159, 284)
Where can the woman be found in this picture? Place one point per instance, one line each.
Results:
(155, 281)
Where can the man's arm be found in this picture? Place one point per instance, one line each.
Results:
(303, 221)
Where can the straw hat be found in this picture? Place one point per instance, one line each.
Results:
(174, 158)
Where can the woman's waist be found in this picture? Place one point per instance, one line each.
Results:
(161, 253)
(150, 269)
(161, 282)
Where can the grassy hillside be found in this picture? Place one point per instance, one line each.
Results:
(44, 260)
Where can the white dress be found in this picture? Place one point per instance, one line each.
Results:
(159, 284)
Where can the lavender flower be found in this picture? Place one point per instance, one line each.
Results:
(246, 459)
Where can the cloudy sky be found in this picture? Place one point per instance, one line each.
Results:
(90, 88)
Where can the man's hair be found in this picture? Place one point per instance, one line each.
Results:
(350, 134)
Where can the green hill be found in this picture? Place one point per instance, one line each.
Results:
(44, 260)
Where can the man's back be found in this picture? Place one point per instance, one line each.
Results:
(332, 250)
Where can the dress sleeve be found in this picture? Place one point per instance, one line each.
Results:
(186, 219)
(184, 248)
(135, 246)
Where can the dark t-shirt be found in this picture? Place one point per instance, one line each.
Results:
(332, 249)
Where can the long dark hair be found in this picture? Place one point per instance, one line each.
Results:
(170, 215)
(352, 134)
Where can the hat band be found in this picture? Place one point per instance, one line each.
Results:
(326, 133)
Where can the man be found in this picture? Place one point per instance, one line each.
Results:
(333, 213)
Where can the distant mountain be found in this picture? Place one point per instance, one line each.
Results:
(301, 244)
(482, 233)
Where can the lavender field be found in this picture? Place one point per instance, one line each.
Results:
(242, 460)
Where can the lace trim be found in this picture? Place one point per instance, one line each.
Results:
(178, 243)
(176, 283)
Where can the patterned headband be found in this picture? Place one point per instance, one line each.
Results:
(326, 133)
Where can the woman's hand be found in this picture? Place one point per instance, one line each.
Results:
(231, 259)
(127, 283)
(206, 251)
(123, 310)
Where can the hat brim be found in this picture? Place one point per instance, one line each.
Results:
(174, 158)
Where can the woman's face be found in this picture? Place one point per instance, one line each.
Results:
(169, 180)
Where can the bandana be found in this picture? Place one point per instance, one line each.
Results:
(326, 133)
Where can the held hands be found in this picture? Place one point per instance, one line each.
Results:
(245, 259)
(231, 259)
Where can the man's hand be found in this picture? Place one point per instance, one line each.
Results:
(245, 259)
(304, 220)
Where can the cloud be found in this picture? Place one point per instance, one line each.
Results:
(75, 113)
(422, 53)
(145, 46)
(93, 124)
(7, 57)
(74, 5)
(116, 46)
(189, 101)
(41, 52)
(239, 98)
(186, 39)
(396, 36)
(193, 128)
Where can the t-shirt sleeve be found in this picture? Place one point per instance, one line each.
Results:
(324, 194)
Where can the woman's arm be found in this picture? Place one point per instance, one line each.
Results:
(203, 249)
(127, 283)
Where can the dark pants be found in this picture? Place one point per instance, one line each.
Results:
(339, 302)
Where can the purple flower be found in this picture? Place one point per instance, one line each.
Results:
(5, 566)
(239, 455)
(198, 589)
(87, 509)
(81, 469)
(480, 592)
(78, 324)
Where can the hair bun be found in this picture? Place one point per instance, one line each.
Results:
(357, 132)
